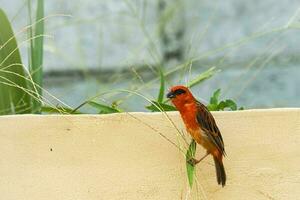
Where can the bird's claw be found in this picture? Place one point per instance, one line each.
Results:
(192, 161)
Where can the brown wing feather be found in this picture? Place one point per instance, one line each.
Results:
(209, 126)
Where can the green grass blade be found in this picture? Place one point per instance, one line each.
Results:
(203, 76)
(103, 109)
(154, 107)
(215, 98)
(36, 67)
(13, 100)
(162, 87)
(30, 34)
(58, 110)
(190, 168)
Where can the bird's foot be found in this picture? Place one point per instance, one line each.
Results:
(193, 161)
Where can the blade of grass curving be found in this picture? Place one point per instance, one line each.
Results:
(59, 110)
(158, 107)
(103, 109)
(36, 50)
(203, 76)
(160, 97)
(31, 92)
(159, 103)
(190, 168)
(13, 99)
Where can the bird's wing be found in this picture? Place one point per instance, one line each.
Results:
(209, 126)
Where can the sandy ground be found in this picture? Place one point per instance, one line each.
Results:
(123, 156)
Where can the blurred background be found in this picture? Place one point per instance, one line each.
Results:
(97, 46)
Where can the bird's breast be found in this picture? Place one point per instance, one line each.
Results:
(192, 127)
(189, 119)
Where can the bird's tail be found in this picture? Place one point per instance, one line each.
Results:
(220, 171)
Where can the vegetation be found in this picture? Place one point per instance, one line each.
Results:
(36, 38)
(21, 90)
(15, 96)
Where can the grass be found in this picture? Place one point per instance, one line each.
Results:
(12, 99)
(186, 64)
(36, 52)
(21, 90)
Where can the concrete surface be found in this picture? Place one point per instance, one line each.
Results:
(122, 156)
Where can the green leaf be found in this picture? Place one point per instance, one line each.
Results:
(36, 50)
(13, 86)
(103, 109)
(160, 97)
(215, 105)
(215, 98)
(190, 168)
(227, 104)
(203, 76)
(165, 107)
(231, 104)
(212, 107)
(59, 110)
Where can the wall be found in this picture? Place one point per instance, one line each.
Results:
(122, 156)
(117, 34)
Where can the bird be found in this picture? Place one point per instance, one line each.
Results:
(202, 127)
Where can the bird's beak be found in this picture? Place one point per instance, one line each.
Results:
(170, 95)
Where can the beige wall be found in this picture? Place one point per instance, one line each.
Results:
(120, 157)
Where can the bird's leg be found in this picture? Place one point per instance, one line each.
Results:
(194, 161)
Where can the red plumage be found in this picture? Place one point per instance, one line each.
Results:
(201, 125)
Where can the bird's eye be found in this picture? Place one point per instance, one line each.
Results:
(179, 91)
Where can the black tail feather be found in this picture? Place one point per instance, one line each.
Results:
(220, 172)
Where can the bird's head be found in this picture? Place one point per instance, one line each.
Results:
(180, 95)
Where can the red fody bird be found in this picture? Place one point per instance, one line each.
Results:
(201, 126)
